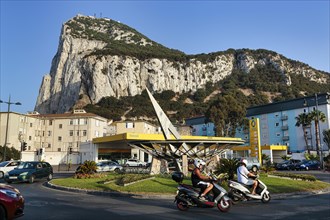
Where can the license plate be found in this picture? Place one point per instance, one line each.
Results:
(13, 177)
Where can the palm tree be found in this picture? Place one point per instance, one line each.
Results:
(303, 120)
(317, 116)
(326, 137)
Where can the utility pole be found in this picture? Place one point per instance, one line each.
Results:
(7, 125)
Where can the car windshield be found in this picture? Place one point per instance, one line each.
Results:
(26, 165)
(2, 164)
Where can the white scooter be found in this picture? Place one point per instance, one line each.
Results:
(240, 192)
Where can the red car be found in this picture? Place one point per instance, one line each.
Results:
(11, 202)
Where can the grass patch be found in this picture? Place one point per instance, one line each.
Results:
(165, 185)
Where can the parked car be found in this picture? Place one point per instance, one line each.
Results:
(287, 164)
(106, 166)
(29, 172)
(308, 165)
(135, 163)
(252, 163)
(11, 202)
(7, 166)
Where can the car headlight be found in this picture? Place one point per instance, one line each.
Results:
(9, 193)
(23, 175)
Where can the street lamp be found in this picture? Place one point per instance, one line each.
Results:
(318, 142)
(5, 145)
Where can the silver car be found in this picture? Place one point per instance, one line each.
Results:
(7, 166)
(107, 166)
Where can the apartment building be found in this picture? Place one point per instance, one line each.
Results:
(278, 122)
(52, 136)
(200, 127)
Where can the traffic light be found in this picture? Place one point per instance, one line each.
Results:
(24, 147)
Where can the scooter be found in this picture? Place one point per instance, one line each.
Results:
(240, 192)
(188, 196)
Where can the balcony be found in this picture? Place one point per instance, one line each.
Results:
(285, 127)
(285, 138)
(284, 117)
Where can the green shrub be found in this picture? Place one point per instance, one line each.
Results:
(87, 170)
(129, 178)
(295, 176)
(227, 166)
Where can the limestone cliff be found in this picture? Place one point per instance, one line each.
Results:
(100, 57)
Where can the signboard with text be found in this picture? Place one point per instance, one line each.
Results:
(255, 139)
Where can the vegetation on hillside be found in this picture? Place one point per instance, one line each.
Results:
(226, 109)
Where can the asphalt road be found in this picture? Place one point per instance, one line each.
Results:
(45, 203)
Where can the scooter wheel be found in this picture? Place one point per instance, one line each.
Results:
(182, 206)
(266, 198)
(224, 205)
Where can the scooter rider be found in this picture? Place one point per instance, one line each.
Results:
(243, 176)
(199, 180)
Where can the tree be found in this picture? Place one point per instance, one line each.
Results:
(12, 153)
(317, 116)
(303, 120)
(227, 113)
(326, 137)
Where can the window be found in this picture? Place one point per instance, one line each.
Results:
(85, 133)
(129, 125)
(60, 126)
(50, 122)
(31, 125)
(49, 133)
(278, 135)
(43, 133)
(71, 133)
(97, 123)
(78, 133)
(277, 124)
(276, 115)
(49, 145)
(59, 149)
(30, 138)
(81, 121)
(71, 122)
(59, 138)
(96, 133)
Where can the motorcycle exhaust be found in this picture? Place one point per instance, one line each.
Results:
(180, 198)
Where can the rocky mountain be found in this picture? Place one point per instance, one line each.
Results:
(99, 57)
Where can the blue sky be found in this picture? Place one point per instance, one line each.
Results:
(30, 32)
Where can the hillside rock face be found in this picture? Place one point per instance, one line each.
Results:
(78, 77)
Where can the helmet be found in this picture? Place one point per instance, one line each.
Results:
(198, 162)
(244, 161)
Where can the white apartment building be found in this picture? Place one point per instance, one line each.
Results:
(55, 138)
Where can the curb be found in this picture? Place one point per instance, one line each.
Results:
(170, 196)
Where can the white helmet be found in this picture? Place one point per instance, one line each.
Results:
(198, 162)
(244, 161)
